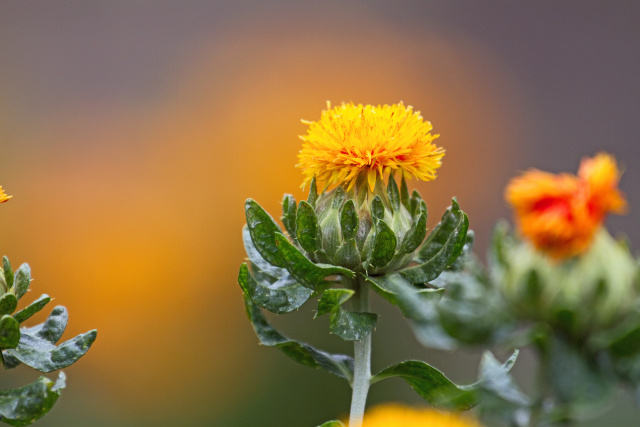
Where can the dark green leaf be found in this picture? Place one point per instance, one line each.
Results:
(416, 201)
(332, 299)
(8, 303)
(304, 270)
(32, 308)
(289, 209)
(431, 384)
(9, 332)
(404, 194)
(349, 220)
(441, 248)
(352, 326)
(282, 296)
(22, 280)
(384, 245)
(256, 258)
(41, 354)
(25, 405)
(414, 236)
(262, 229)
(377, 208)
(333, 423)
(313, 193)
(394, 194)
(307, 228)
(8, 272)
(337, 364)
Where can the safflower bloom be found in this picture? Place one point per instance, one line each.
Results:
(395, 415)
(3, 196)
(560, 214)
(350, 140)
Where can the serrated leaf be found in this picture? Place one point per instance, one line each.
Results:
(25, 405)
(41, 354)
(32, 308)
(8, 303)
(302, 268)
(289, 209)
(351, 326)
(262, 229)
(8, 272)
(377, 208)
(337, 364)
(332, 299)
(9, 332)
(431, 384)
(282, 296)
(414, 236)
(22, 280)
(307, 228)
(404, 194)
(384, 245)
(393, 193)
(334, 423)
(349, 220)
(441, 248)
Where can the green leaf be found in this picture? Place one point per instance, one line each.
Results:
(262, 229)
(351, 326)
(441, 248)
(288, 218)
(313, 193)
(349, 220)
(337, 364)
(257, 259)
(399, 291)
(384, 245)
(9, 332)
(53, 328)
(404, 194)
(8, 272)
(307, 228)
(332, 299)
(32, 308)
(41, 354)
(377, 208)
(304, 270)
(495, 378)
(22, 280)
(431, 384)
(25, 405)
(334, 423)
(281, 296)
(414, 236)
(416, 201)
(394, 194)
(338, 198)
(8, 303)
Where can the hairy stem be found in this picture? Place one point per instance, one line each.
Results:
(362, 361)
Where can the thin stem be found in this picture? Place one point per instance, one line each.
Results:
(362, 361)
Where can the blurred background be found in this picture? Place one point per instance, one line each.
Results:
(132, 132)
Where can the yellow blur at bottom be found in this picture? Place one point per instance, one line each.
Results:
(396, 415)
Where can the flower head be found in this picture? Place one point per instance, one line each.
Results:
(394, 415)
(353, 140)
(560, 214)
(3, 196)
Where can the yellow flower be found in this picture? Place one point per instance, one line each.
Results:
(395, 415)
(560, 214)
(3, 196)
(351, 140)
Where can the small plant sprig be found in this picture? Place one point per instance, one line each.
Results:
(562, 286)
(34, 346)
(359, 236)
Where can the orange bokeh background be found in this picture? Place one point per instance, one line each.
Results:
(128, 207)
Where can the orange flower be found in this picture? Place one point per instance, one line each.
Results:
(395, 415)
(560, 214)
(3, 196)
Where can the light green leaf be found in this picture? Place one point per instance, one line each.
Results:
(23, 406)
(441, 248)
(394, 194)
(332, 299)
(495, 378)
(9, 332)
(404, 194)
(334, 423)
(431, 384)
(53, 328)
(384, 245)
(337, 364)
(8, 303)
(414, 236)
(307, 228)
(397, 290)
(352, 326)
(377, 208)
(304, 270)
(22, 280)
(281, 296)
(8, 271)
(32, 308)
(262, 229)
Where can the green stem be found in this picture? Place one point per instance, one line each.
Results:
(362, 361)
